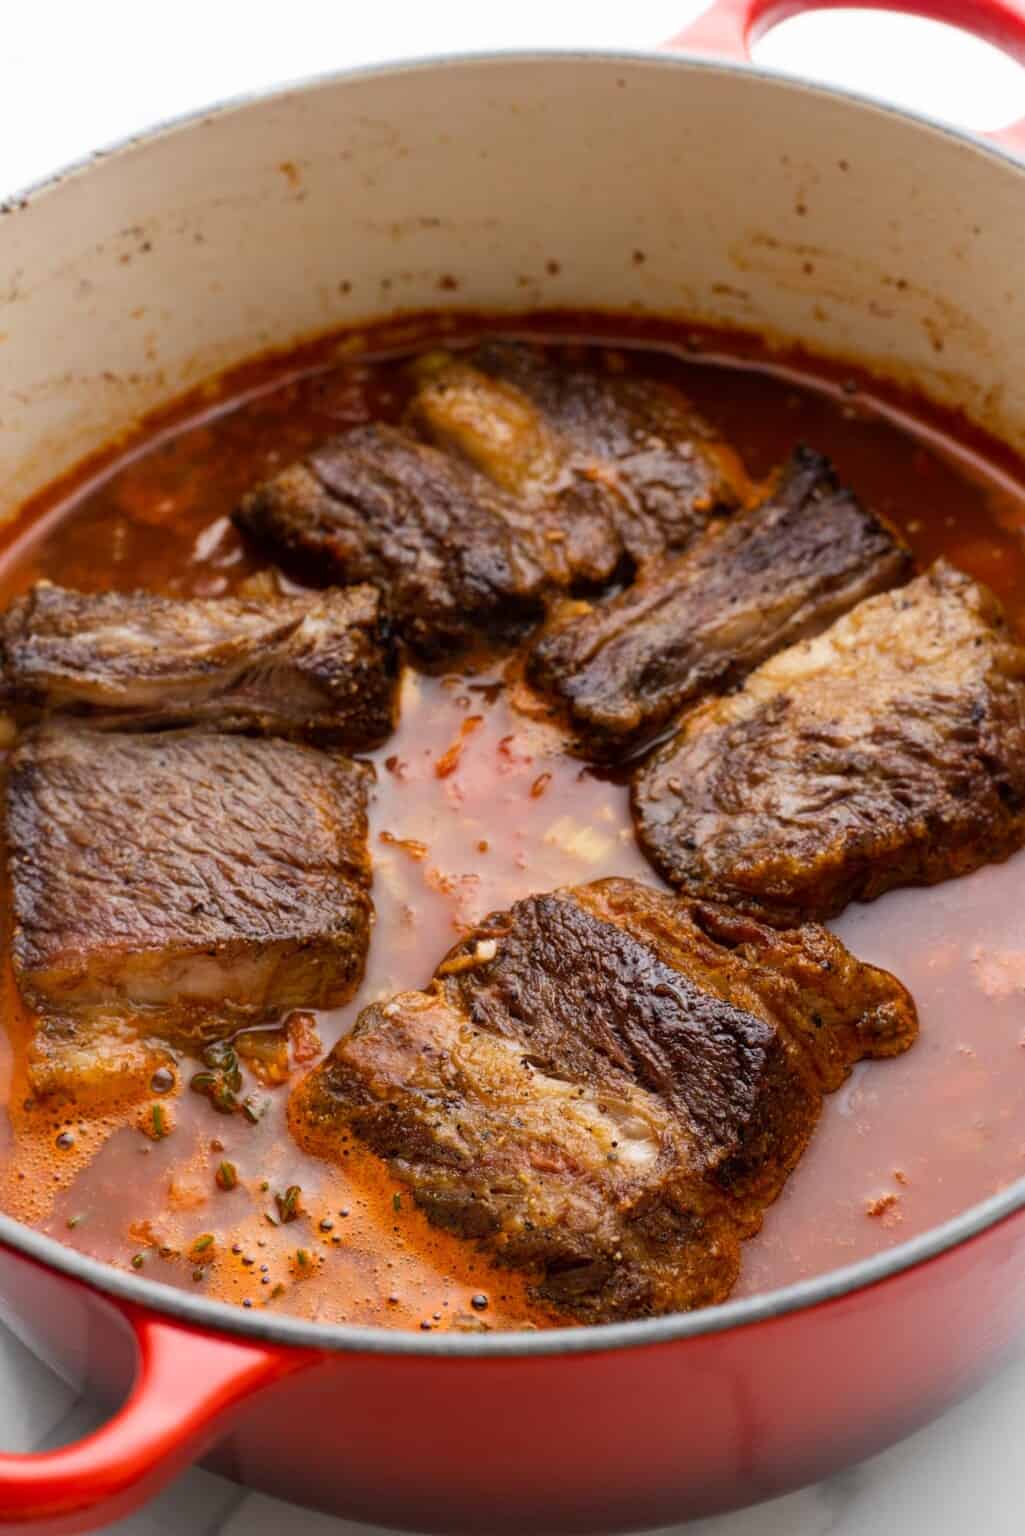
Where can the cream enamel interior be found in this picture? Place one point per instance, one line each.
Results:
(653, 183)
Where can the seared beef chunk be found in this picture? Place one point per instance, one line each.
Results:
(98, 1056)
(763, 579)
(452, 553)
(186, 875)
(606, 1086)
(321, 665)
(888, 751)
(618, 469)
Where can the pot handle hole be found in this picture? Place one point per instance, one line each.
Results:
(186, 1383)
(729, 28)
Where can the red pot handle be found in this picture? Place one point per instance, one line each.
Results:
(730, 27)
(186, 1381)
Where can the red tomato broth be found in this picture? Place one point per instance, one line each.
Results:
(476, 805)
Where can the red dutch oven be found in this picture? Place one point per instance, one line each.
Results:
(508, 182)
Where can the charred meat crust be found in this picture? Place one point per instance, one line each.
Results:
(185, 874)
(765, 578)
(438, 539)
(554, 477)
(606, 1086)
(321, 665)
(888, 751)
(618, 470)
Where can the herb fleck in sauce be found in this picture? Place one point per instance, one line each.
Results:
(474, 806)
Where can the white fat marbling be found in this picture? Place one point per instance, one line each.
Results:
(78, 76)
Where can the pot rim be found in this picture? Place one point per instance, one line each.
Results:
(294, 1332)
(665, 57)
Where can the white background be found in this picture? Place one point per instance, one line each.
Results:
(77, 74)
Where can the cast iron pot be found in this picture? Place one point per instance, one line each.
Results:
(662, 183)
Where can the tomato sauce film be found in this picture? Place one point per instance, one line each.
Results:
(475, 805)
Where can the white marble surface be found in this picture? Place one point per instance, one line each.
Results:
(76, 76)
